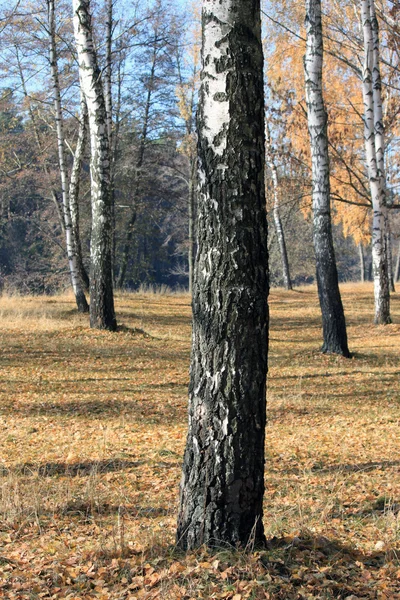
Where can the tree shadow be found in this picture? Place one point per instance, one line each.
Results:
(143, 409)
(79, 469)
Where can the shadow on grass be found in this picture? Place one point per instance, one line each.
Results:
(353, 468)
(82, 508)
(307, 566)
(143, 409)
(79, 469)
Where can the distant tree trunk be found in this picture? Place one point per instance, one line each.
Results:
(139, 163)
(74, 185)
(223, 472)
(107, 77)
(69, 232)
(333, 320)
(102, 315)
(277, 216)
(397, 268)
(374, 147)
(389, 258)
(362, 262)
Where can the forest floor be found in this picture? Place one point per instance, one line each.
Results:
(92, 431)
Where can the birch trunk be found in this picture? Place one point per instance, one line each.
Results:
(69, 233)
(397, 268)
(102, 315)
(333, 319)
(223, 472)
(389, 257)
(362, 262)
(374, 149)
(74, 185)
(276, 212)
(191, 232)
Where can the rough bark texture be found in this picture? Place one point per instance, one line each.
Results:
(69, 232)
(223, 473)
(191, 211)
(74, 185)
(333, 320)
(276, 212)
(102, 315)
(374, 149)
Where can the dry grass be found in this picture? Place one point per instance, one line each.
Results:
(92, 430)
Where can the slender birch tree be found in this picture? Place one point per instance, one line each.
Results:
(69, 232)
(276, 210)
(223, 472)
(374, 150)
(333, 320)
(74, 186)
(102, 315)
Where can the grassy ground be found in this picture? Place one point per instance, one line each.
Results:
(92, 430)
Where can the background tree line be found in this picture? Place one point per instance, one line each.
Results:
(149, 61)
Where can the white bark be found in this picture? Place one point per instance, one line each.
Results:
(74, 185)
(102, 314)
(216, 18)
(69, 233)
(374, 150)
(333, 320)
(276, 211)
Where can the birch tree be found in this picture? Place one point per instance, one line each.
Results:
(374, 150)
(223, 472)
(69, 232)
(74, 186)
(102, 315)
(333, 320)
(276, 211)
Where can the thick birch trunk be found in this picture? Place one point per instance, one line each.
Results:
(333, 320)
(191, 232)
(276, 212)
(102, 315)
(374, 149)
(69, 233)
(223, 473)
(362, 262)
(74, 185)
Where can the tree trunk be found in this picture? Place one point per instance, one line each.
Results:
(139, 163)
(223, 473)
(102, 315)
(362, 262)
(276, 212)
(397, 269)
(74, 191)
(333, 320)
(192, 195)
(374, 148)
(389, 256)
(69, 233)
